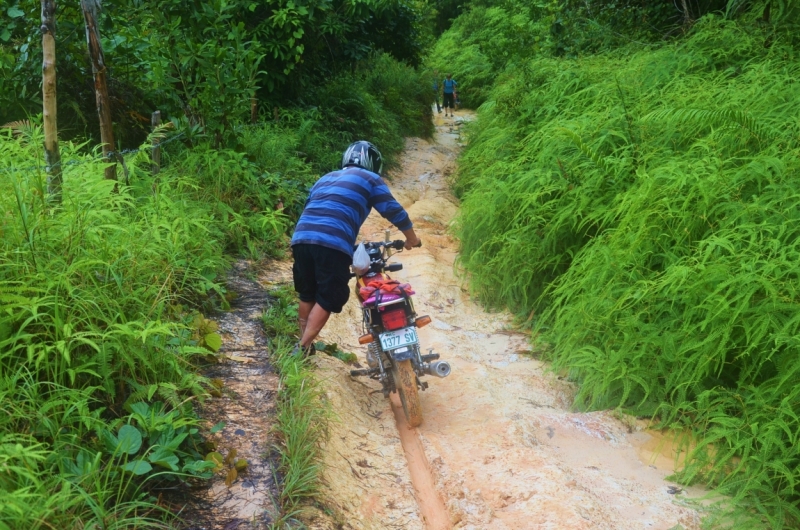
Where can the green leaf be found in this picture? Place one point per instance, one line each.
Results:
(138, 467)
(213, 341)
(110, 441)
(130, 439)
(141, 408)
(216, 458)
(218, 427)
(15, 12)
(199, 467)
(163, 457)
(5, 35)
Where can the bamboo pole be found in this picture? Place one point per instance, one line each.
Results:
(52, 156)
(155, 121)
(253, 110)
(90, 9)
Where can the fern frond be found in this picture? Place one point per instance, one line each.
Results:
(588, 151)
(713, 118)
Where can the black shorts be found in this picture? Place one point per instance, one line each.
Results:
(321, 275)
(448, 101)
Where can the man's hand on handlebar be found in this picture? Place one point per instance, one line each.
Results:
(416, 243)
(412, 241)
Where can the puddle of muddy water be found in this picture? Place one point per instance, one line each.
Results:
(664, 449)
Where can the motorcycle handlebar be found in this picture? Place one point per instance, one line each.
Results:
(399, 244)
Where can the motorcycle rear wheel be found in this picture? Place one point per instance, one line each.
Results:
(405, 381)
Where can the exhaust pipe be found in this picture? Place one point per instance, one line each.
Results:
(438, 368)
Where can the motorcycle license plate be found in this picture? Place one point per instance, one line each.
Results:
(396, 339)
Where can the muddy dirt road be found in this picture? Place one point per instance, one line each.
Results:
(499, 447)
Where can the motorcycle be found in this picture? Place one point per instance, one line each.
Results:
(390, 323)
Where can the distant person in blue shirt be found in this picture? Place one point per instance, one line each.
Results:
(325, 235)
(449, 88)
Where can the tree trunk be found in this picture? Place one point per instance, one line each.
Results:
(90, 9)
(687, 15)
(155, 121)
(52, 157)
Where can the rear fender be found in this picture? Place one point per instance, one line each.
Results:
(399, 355)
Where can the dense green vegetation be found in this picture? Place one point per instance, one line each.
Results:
(629, 190)
(105, 298)
(638, 204)
(200, 62)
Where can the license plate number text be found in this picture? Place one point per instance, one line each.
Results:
(395, 339)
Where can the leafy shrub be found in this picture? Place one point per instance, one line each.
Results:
(204, 61)
(381, 102)
(482, 42)
(91, 295)
(648, 229)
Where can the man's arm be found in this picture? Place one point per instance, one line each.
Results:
(391, 210)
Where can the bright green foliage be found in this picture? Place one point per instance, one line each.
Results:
(492, 35)
(89, 295)
(483, 41)
(100, 329)
(383, 101)
(644, 207)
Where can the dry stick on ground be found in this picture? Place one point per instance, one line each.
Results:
(52, 157)
(90, 9)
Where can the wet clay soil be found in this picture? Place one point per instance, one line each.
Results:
(499, 447)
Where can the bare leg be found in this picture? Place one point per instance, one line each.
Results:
(302, 315)
(316, 321)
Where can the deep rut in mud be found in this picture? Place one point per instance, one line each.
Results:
(499, 447)
(431, 507)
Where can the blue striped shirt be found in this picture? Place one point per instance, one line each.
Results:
(338, 205)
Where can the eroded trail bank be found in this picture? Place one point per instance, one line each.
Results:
(500, 444)
(246, 498)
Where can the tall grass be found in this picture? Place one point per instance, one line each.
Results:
(641, 208)
(100, 300)
(302, 414)
(89, 327)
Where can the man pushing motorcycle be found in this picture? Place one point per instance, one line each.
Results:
(323, 240)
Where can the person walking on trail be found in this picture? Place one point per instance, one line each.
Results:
(436, 90)
(325, 235)
(449, 88)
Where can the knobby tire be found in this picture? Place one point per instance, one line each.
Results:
(405, 381)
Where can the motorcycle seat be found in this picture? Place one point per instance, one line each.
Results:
(387, 297)
(380, 288)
